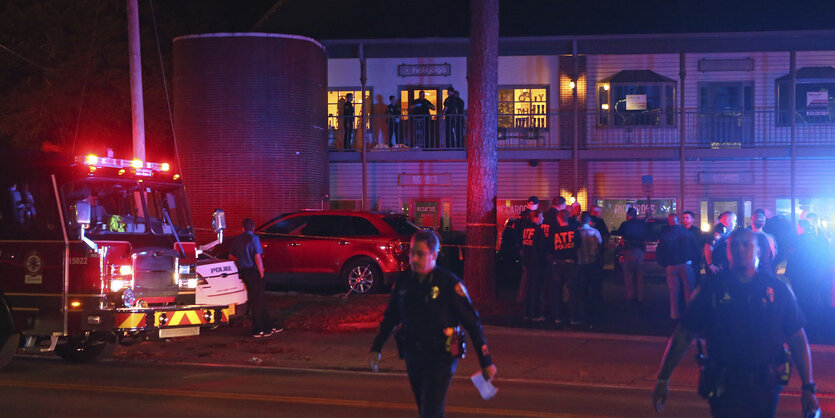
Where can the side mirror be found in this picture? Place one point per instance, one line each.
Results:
(82, 213)
(219, 220)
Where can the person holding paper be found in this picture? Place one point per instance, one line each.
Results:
(427, 307)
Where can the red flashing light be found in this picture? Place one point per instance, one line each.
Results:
(91, 160)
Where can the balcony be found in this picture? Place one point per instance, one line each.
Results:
(596, 130)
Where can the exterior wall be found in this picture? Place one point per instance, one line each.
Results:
(517, 181)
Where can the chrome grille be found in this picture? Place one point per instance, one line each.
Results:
(154, 273)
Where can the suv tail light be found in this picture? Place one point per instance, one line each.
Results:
(398, 247)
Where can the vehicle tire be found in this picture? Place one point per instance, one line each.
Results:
(9, 338)
(362, 275)
(8, 348)
(85, 349)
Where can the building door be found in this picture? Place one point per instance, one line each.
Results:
(726, 114)
(423, 131)
(741, 207)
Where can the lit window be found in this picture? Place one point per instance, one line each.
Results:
(523, 107)
(636, 98)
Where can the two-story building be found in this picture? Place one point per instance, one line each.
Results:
(700, 122)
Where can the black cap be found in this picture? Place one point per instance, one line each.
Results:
(534, 200)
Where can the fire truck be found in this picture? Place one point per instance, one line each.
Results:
(96, 251)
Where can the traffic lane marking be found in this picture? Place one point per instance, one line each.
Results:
(274, 399)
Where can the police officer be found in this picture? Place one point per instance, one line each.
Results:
(348, 115)
(428, 305)
(745, 316)
(533, 263)
(563, 241)
(393, 121)
(246, 248)
(715, 250)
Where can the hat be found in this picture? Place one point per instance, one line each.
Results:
(534, 200)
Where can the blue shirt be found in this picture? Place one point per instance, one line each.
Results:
(244, 247)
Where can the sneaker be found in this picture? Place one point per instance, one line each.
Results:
(260, 334)
(539, 319)
(276, 330)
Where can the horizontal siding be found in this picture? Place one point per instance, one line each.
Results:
(598, 180)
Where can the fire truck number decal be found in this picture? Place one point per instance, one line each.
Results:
(33, 265)
(78, 260)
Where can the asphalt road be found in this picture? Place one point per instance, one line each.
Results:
(44, 388)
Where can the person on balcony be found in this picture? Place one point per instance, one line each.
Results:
(393, 113)
(454, 115)
(419, 109)
(348, 116)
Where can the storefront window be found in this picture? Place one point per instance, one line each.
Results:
(613, 211)
(523, 107)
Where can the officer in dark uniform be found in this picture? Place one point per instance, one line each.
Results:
(563, 242)
(533, 262)
(246, 248)
(393, 121)
(348, 114)
(428, 306)
(746, 316)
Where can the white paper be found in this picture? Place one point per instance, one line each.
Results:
(485, 388)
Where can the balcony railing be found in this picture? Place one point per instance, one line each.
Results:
(556, 130)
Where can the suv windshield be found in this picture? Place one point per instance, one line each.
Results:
(172, 199)
(115, 206)
(401, 225)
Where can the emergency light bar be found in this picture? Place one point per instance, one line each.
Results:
(141, 168)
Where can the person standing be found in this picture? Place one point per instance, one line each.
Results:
(454, 115)
(767, 243)
(804, 271)
(524, 216)
(674, 252)
(715, 254)
(745, 317)
(587, 257)
(393, 121)
(246, 249)
(427, 307)
(557, 204)
(688, 221)
(563, 241)
(533, 263)
(419, 110)
(596, 284)
(348, 117)
(633, 231)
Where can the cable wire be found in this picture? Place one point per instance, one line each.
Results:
(165, 88)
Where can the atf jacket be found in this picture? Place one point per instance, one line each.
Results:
(563, 242)
(423, 313)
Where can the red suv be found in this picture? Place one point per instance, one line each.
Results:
(363, 250)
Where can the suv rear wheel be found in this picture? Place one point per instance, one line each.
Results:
(362, 275)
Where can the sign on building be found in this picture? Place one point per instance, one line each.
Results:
(636, 102)
(410, 70)
(427, 212)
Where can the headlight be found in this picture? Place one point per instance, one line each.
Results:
(185, 269)
(125, 270)
(192, 283)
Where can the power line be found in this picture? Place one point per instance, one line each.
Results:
(24, 58)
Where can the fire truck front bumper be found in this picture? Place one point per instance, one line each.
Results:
(169, 321)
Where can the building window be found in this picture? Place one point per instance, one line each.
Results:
(815, 96)
(524, 107)
(636, 98)
(336, 98)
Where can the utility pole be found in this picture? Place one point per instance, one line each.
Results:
(136, 102)
(482, 154)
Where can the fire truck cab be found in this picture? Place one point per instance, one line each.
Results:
(95, 251)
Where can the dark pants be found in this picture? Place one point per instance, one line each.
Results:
(535, 272)
(562, 273)
(429, 376)
(394, 131)
(595, 290)
(454, 130)
(742, 402)
(349, 133)
(579, 291)
(261, 320)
